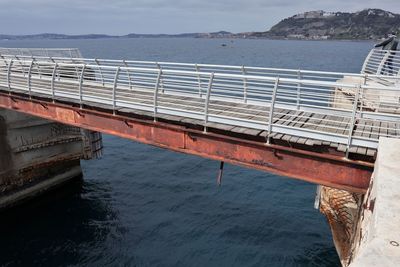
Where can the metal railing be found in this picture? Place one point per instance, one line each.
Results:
(228, 69)
(382, 62)
(42, 52)
(344, 108)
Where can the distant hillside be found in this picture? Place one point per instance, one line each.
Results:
(220, 34)
(362, 25)
(53, 36)
(365, 24)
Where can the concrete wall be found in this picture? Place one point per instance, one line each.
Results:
(35, 151)
(365, 227)
(377, 240)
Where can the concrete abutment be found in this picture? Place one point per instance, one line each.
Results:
(37, 155)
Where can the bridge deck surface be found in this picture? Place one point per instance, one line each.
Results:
(320, 127)
(293, 118)
(340, 117)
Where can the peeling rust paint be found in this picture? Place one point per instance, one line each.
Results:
(342, 210)
(320, 168)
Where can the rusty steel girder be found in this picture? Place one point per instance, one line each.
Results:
(319, 168)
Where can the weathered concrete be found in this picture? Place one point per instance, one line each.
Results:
(341, 209)
(371, 99)
(361, 237)
(37, 154)
(377, 240)
(36, 189)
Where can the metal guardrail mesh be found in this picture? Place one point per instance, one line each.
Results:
(353, 110)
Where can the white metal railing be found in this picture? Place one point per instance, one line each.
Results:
(229, 69)
(310, 104)
(384, 62)
(42, 52)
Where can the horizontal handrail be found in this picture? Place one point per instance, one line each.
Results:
(184, 72)
(126, 63)
(382, 62)
(66, 52)
(329, 106)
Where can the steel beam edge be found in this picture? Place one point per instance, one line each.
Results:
(324, 169)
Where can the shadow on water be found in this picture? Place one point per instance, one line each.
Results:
(144, 206)
(58, 227)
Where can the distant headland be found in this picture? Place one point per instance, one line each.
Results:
(368, 24)
(363, 25)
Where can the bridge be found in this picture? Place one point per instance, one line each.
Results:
(321, 127)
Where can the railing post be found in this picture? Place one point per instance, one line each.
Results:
(29, 79)
(39, 72)
(76, 69)
(100, 71)
(299, 77)
(127, 72)
(81, 84)
(161, 81)
(353, 120)
(383, 62)
(5, 60)
(207, 102)
(361, 97)
(271, 111)
(199, 80)
(367, 60)
(114, 93)
(156, 94)
(20, 63)
(53, 76)
(9, 75)
(244, 85)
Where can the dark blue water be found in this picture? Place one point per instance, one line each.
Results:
(144, 206)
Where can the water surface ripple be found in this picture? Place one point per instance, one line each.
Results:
(144, 206)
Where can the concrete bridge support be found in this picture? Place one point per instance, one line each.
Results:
(37, 155)
(341, 209)
(365, 226)
(377, 239)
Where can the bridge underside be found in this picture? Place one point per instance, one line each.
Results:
(321, 167)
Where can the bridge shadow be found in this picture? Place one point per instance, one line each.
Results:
(58, 227)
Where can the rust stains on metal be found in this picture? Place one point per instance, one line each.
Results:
(341, 209)
(325, 169)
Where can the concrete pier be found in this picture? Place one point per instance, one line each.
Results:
(342, 209)
(37, 155)
(377, 236)
(365, 227)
